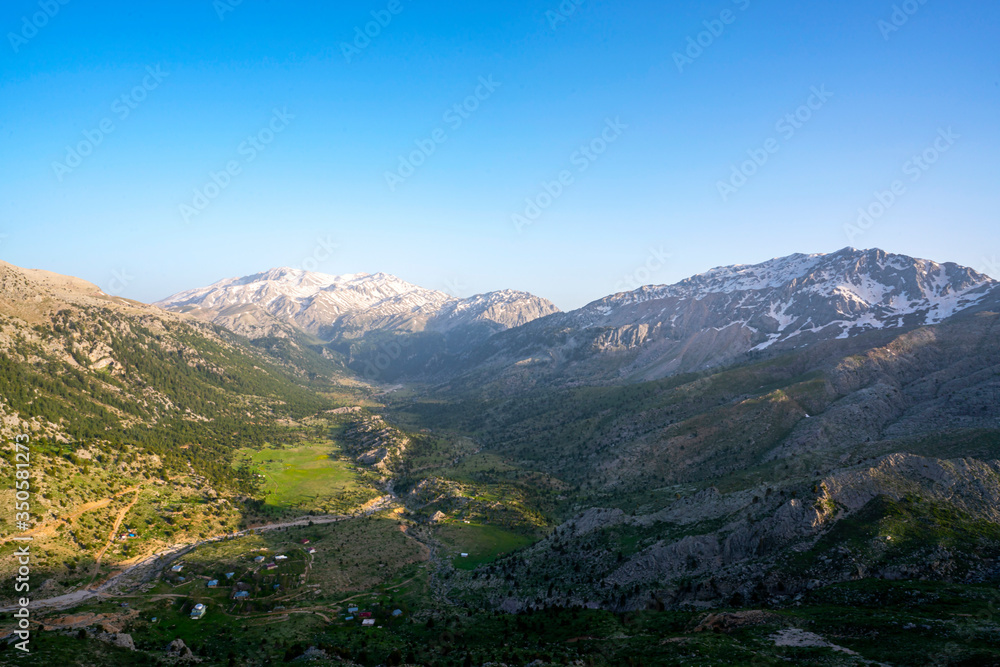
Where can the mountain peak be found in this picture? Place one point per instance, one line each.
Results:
(785, 302)
(326, 305)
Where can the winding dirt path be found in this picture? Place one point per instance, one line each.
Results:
(49, 529)
(156, 562)
(114, 531)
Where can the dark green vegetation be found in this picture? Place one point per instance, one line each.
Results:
(892, 623)
(165, 386)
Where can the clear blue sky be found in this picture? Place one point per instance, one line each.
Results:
(116, 218)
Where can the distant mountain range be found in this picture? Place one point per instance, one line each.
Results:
(703, 321)
(349, 306)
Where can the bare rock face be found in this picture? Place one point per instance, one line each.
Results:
(373, 442)
(505, 309)
(970, 485)
(178, 650)
(119, 639)
(595, 519)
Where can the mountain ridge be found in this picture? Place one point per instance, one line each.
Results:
(729, 312)
(706, 320)
(348, 305)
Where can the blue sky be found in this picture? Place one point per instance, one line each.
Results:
(141, 216)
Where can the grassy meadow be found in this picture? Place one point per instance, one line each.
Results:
(484, 544)
(312, 476)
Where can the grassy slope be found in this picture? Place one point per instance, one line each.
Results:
(484, 544)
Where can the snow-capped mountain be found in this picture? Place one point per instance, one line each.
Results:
(348, 305)
(719, 315)
(836, 295)
(506, 309)
(713, 318)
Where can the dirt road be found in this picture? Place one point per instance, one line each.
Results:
(147, 568)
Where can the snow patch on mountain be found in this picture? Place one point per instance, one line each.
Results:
(794, 301)
(354, 304)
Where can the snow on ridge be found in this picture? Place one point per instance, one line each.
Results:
(316, 301)
(853, 290)
(846, 271)
(316, 298)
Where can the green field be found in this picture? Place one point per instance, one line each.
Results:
(308, 476)
(484, 544)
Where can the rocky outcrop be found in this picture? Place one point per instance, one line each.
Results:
(177, 650)
(719, 547)
(119, 639)
(730, 622)
(750, 540)
(373, 442)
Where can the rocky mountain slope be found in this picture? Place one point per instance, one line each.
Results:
(873, 456)
(332, 307)
(133, 416)
(77, 364)
(733, 313)
(870, 451)
(390, 330)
